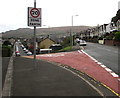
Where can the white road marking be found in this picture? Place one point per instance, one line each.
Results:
(79, 51)
(84, 80)
(119, 79)
(103, 66)
(52, 55)
(114, 74)
(99, 63)
(96, 61)
(107, 69)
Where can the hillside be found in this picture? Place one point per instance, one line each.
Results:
(28, 33)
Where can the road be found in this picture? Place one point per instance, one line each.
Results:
(80, 61)
(22, 53)
(57, 80)
(47, 80)
(107, 55)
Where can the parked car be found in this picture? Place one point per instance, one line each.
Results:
(55, 47)
(26, 51)
(22, 46)
(29, 53)
(82, 43)
(17, 53)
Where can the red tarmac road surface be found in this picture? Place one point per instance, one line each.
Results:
(80, 61)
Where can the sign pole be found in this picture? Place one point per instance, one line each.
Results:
(34, 20)
(35, 40)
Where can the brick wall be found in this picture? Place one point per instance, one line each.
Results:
(112, 43)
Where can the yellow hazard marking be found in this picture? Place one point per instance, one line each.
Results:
(110, 89)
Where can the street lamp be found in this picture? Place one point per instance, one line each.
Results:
(72, 18)
(71, 31)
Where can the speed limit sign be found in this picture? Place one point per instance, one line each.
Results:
(34, 16)
(35, 12)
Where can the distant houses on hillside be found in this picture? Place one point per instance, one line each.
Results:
(91, 34)
(99, 30)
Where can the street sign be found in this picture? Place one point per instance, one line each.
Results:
(34, 17)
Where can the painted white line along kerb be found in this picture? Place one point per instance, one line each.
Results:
(79, 51)
(107, 69)
(119, 79)
(114, 74)
(103, 66)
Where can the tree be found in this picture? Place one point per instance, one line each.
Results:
(66, 41)
(6, 43)
(118, 14)
(116, 18)
(117, 36)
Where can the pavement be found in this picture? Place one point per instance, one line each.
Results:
(5, 62)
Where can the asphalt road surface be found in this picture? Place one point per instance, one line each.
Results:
(47, 80)
(107, 55)
(22, 53)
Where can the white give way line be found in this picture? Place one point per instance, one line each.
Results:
(57, 54)
(52, 55)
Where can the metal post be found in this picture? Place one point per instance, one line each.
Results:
(35, 46)
(72, 34)
(34, 3)
(35, 39)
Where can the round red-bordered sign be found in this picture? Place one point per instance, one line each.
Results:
(34, 12)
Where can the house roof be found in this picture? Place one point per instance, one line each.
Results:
(47, 38)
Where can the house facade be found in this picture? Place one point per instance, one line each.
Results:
(45, 43)
(118, 25)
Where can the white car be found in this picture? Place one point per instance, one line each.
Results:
(29, 53)
(24, 49)
(82, 43)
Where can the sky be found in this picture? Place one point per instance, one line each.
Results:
(57, 13)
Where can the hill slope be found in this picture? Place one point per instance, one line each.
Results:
(28, 33)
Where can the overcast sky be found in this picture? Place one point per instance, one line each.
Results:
(57, 13)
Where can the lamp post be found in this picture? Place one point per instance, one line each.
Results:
(71, 31)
